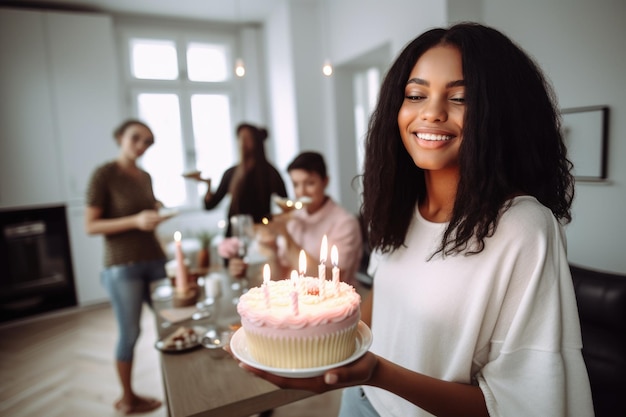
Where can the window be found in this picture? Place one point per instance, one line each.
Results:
(182, 86)
(366, 85)
(207, 62)
(153, 59)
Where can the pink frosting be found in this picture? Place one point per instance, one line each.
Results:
(315, 315)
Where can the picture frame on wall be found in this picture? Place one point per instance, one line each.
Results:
(585, 130)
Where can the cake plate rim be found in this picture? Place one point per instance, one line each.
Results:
(239, 349)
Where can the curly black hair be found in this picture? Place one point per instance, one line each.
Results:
(512, 143)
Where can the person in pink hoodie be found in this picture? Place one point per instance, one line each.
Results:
(303, 229)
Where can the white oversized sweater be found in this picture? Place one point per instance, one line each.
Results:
(505, 319)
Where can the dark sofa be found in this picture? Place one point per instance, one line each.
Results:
(601, 298)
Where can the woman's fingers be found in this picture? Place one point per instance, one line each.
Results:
(355, 373)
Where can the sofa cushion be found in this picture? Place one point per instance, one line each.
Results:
(601, 298)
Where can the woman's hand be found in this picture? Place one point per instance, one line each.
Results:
(197, 175)
(237, 267)
(267, 233)
(358, 372)
(147, 220)
(265, 237)
(228, 247)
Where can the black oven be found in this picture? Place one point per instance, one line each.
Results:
(36, 273)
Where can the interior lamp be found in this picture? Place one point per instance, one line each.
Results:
(327, 69)
(240, 69)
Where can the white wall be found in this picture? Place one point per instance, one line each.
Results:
(299, 92)
(281, 87)
(580, 45)
(358, 26)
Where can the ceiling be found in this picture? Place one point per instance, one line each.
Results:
(215, 10)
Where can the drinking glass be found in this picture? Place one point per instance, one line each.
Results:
(242, 227)
(211, 286)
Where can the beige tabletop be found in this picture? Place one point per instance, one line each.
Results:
(198, 384)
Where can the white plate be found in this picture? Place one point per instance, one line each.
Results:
(240, 349)
(167, 213)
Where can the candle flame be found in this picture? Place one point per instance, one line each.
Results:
(302, 262)
(177, 236)
(324, 250)
(264, 220)
(267, 274)
(298, 205)
(334, 255)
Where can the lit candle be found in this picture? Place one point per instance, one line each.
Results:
(334, 257)
(302, 263)
(181, 269)
(266, 281)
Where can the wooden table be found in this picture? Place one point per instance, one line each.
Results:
(199, 385)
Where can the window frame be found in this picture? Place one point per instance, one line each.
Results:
(182, 35)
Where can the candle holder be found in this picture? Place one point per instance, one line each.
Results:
(187, 298)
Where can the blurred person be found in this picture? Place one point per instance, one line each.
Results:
(251, 182)
(303, 229)
(122, 207)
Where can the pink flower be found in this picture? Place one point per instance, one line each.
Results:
(228, 247)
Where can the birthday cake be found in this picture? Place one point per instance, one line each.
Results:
(300, 323)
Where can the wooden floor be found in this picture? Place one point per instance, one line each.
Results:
(61, 365)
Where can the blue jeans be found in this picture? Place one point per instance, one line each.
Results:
(128, 287)
(354, 403)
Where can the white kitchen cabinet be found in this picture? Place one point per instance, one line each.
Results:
(86, 94)
(60, 92)
(30, 172)
(87, 258)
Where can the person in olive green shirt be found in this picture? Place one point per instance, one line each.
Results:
(122, 207)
